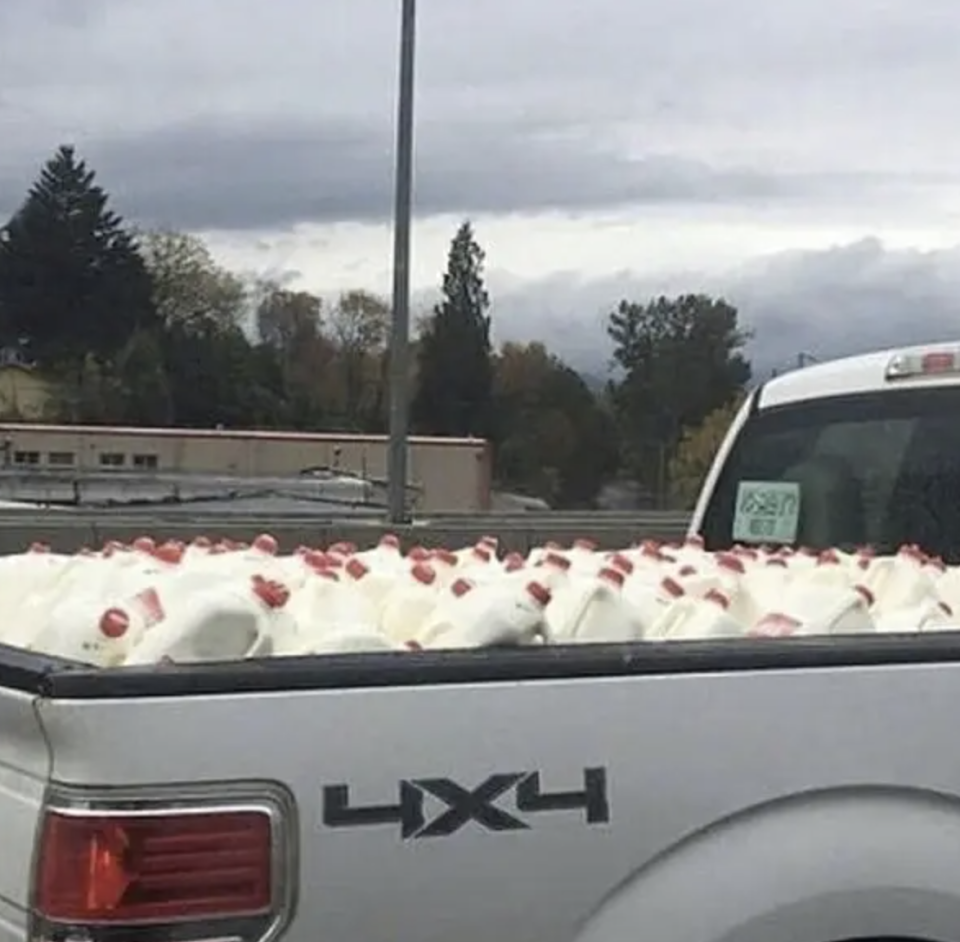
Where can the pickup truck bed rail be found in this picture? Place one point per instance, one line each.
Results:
(58, 679)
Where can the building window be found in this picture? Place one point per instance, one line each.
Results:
(26, 457)
(149, 462)
(61, 459)
(112, 459)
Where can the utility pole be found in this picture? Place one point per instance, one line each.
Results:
(400, 332)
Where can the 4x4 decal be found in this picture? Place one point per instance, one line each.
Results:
(465, 804)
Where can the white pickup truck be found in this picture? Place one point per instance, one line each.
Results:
(798, 790)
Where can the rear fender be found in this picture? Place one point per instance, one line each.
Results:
(819, 867)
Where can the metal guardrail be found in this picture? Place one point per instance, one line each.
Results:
(174, 513)
(600, 516)
(68, 530)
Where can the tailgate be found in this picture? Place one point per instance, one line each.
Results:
(24, 766)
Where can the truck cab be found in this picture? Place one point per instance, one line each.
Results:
(862, 451)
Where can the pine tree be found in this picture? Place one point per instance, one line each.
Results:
(681, 358)
(72, 282)
(455, 365)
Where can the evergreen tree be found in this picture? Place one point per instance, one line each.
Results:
(680, 359)
(143, 382)
(72, 282)
(454, 359)
(556, 440)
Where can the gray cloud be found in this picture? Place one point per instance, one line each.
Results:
(849, 299)
(245, 114)
(231, 176)
(213, 176)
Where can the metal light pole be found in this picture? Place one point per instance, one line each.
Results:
(400, 333)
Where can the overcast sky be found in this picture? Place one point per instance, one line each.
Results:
(802, 157)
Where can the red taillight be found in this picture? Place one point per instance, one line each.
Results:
(934, 363)
(154, 867)
(938, 363)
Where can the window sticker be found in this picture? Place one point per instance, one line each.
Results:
(767, 512)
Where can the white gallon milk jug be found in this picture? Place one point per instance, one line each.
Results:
(761, 590)
(455, 607)
(83, 632)
(650, 562)
(948, 588)
(695, 581)
(387, 555)
(341, 619)
(929, 615)
(724, 573)
(100, 625)
(818, 610)
(340, 552)
(830, 572)
(409, 604)
(478, 554)
(346, 640)
(604, 615)
(553, 569)
(537, 554)
(900, 581)
(690, 553)
(311, 609)
(573, 589)
(691, 619)
(75, 579)
(310, 602)
(299, 568)
(583, 556)
(620, 561)
(514, 562)
(24, 574)
(934, 567)
(650, 601)
(500, 618)
(227, 622)
(732, 570)
(99, 620)
(570, 593)
(374, 584)
(479, 564)
(445, 565)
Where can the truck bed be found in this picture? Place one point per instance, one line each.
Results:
(739, 791)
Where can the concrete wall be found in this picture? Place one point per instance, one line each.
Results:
(518, 534)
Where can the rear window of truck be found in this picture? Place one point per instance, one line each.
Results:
(879, 469)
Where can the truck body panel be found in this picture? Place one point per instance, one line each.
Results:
(24, 773)
(700, 767)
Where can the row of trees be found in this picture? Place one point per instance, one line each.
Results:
(145, 328)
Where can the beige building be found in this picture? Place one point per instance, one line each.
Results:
(446, 474)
